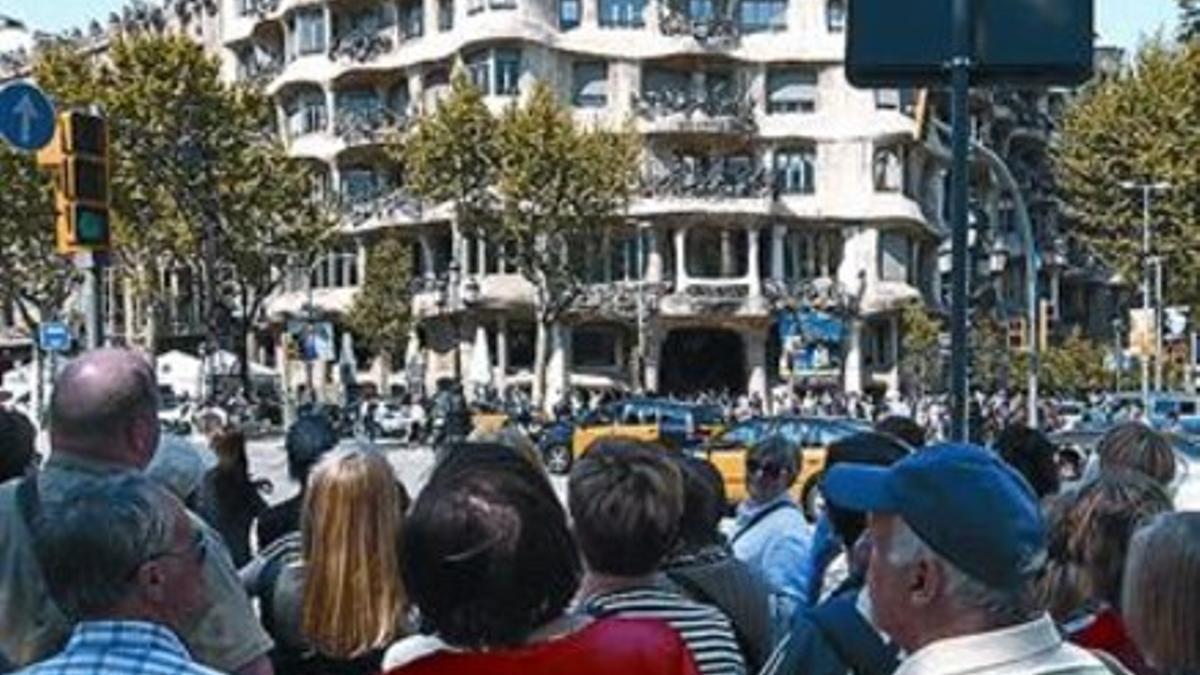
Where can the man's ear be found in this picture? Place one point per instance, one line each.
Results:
(152, 582)
(925, 579)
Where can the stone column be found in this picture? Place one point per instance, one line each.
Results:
(654, 262)
(331, 110)
(328, 10)
(778, 234)
(650, 375)
(853, 364)
(681, 277)
(502, 355)
(426, 243)
(728, 259)
(755, 345)
(753, 269)
(361, 262)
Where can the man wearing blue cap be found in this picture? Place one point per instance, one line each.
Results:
(957, 543)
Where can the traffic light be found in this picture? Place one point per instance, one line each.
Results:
(1017, 329)
(78, 156)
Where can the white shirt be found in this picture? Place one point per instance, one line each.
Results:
(1033, 648)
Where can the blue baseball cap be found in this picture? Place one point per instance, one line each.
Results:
(962, 500)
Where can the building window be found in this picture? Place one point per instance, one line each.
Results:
(474, 6)
(795, 171)
(791, 90)
(622, 13)
(398, 99)
(412, 19)
(835, 16)
(887, 168)
(508, 72)
(887, 99)
(701, 10)
(569, 12)
(478, 69)
(445, 15)
(502, 4)
(594, 348)
(358, 185)
(893, 257)
(435, 85)
(666, 85)
(310, 32)
(756, 16)
(308, 115)
(589, 87)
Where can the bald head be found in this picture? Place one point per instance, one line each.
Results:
(104, 406)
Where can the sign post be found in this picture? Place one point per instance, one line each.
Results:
(957, 43)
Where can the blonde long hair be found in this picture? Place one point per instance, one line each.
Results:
(354, 598)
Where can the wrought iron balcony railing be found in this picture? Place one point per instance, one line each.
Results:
(368, 124)
(735, 107)
(711, 31)
(384, 202)
(716, 181)
(360, 46)
(261, 70)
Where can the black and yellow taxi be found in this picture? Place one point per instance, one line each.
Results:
(811, 435)
(675, 424)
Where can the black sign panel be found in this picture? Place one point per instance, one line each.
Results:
(909, 43)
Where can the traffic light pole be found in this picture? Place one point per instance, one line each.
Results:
(960, 80)
(93, 301)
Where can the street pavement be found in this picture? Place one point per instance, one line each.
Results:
(412, 465)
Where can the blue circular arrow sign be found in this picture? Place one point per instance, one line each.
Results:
(26, 116)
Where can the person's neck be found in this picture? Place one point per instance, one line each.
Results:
(598, 583)
(73, 452)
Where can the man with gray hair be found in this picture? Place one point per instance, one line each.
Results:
(771, 533)
(104, 422)
(123, 560)
(958, 541)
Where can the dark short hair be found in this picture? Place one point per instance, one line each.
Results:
(1033, 455)
(874, 448)
(488, 556)
(904, 428)
(626, 499)
(17, 442)
(704, 502)
(307, 439)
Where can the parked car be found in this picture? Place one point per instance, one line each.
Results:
(673, 423)
(813, 435)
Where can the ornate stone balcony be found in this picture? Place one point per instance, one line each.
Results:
(820, 293)
(619, 299)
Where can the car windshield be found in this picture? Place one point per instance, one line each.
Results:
(708, 415)
(745, 433)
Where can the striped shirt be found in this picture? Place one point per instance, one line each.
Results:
(124, 647)
(705, 629)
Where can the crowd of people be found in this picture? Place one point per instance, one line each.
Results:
(929, 558)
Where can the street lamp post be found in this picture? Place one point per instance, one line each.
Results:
(1147, 189)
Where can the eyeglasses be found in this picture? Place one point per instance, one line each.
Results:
(767, 469)
(197, 550)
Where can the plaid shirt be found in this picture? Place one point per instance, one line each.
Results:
(125, 647)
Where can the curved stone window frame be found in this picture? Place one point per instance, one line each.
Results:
(796, 169)
(792, 89)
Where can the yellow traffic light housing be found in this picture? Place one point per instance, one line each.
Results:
(78, 156)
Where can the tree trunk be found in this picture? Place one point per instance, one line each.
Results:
(243, 344)
(540, 359)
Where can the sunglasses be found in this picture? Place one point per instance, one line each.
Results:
(767, 469)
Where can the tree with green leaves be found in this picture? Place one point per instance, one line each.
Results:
(1141, 126)
(991, 369)
(533, 184)
(1189, 20)
(921, 357)
(195, 163)
(1073, 366)
(381, 315)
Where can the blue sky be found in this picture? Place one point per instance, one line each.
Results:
(1119, 22)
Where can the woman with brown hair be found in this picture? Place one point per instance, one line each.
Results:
(228, 499)
(1089, 541)
(332, 596)
(1162, 592)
